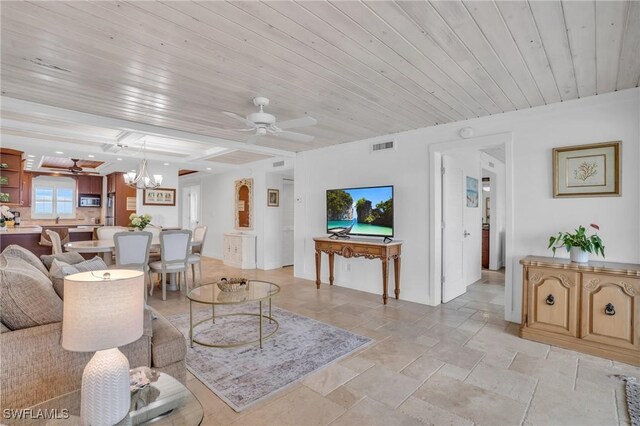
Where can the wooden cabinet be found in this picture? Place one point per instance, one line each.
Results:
(553, 300)
(25, 195)
(592, 307)
(10, 177)
(240, 250)
(90, 185)
(611, 310)
(111, 182)
(485, 248)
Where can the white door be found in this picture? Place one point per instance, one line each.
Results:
(286, 202)
(191, 207)
(453, 199)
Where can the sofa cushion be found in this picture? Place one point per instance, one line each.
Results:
(3, 328)
(167, 344)
(60, 269)
(27, 298)
(26, 255)
(70, 257)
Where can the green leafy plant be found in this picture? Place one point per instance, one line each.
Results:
(589, 243)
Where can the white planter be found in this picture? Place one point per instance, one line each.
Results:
(578, 255)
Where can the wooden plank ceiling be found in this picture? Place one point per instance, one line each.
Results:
(361, 69)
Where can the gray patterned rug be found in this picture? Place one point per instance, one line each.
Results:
(245, 375)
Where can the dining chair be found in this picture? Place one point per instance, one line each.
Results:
(132, 252)
(199, 234)
(174, 252)
(107, 232)
(56, 242)
(155, 232)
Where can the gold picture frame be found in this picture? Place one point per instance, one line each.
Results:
(592, 170)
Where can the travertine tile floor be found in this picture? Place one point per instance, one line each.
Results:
(458, 363)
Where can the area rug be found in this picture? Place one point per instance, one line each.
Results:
(245, 375)
(632, 388)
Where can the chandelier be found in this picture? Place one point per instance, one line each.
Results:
(140, 179)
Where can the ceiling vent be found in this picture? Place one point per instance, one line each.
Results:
(278, 163)
(381, 146)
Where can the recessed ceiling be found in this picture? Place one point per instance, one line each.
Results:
(362, 69)
(65, 163)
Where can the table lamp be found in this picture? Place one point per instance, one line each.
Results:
(103, 310)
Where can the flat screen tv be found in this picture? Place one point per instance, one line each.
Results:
(360, 211)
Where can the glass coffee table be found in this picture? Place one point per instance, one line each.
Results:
(210, 294)
(163, 402)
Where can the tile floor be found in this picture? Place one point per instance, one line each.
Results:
(459, 363)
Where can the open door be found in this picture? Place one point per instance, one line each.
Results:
(453, 198)
(191, 207)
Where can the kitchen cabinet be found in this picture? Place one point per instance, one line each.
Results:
(111, 182)
(90, 184)
(589, 307)
(240, 250)
(25, 195)
(10, 177)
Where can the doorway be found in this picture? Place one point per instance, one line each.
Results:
(287, 201)
(191, 206)
(439, 246)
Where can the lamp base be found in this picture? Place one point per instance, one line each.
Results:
(105, 396)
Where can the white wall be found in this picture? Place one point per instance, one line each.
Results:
(613, 116)
(217, 198)
(165, 216)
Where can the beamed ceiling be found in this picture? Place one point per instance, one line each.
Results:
(361, 69)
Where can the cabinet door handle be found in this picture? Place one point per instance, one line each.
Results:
(550, 299)
(609, 309)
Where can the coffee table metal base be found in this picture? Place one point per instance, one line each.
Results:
(213, 317)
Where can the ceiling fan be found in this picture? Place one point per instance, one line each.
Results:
(263, 123)
(74, 169)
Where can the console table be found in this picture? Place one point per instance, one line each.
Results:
(361, 248)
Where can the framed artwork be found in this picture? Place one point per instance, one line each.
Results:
(472, 192)
(159, 197)
(273, 197)
(587, 170)
(244, 203)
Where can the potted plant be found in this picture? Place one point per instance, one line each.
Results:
(578, 244)
(139, 221)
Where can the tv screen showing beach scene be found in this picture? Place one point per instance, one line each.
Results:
(361, 211)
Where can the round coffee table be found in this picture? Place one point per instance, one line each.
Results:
(210, 294)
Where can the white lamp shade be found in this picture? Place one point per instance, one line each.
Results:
(102, 314)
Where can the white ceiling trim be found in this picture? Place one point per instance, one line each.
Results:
(18, 105)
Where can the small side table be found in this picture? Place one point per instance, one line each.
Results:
(169, 403)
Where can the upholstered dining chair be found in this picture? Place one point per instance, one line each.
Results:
(154, 255)
(56, 242)
(107, 232)
(174, 252)
(132, 252)
(199, 234)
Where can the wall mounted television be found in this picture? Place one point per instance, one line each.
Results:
(360, 211)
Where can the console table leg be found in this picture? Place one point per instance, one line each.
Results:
(318, 260)
(330, 268)
(385, 279)
(396, 270)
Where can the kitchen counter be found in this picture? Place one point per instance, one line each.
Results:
(36, 229)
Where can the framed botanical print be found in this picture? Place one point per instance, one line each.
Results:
(587, 170)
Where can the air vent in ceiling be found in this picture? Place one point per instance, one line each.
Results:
(278, 163)
(381, 146)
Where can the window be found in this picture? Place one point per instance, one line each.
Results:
(53, 197)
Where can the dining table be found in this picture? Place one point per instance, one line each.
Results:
(105, 248)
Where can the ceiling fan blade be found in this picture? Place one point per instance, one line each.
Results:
(249, 123)
(297, 122)
(297, 137)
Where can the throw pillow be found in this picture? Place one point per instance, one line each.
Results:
(26, 255)
(27, 298)
(70, 257)
(60, 269)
